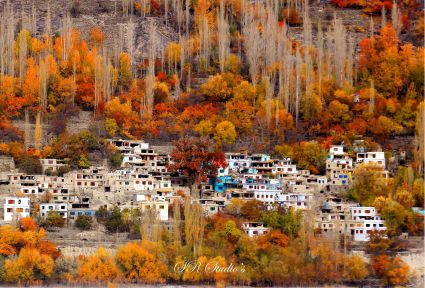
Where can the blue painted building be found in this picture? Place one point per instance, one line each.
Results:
(222, 183)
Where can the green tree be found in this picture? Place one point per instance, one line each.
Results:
(114, 221)
(83, 222)
(116, 159)
(102, 214)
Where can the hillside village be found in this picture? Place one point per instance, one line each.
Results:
(212, 142)
(143, 182)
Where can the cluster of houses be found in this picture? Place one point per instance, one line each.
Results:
(144, 182)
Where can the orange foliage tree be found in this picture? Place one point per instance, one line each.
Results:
(97, 268)
(393, 270)
(139, 262)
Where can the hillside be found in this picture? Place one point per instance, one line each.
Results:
(233, 142)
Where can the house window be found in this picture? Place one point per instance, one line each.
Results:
(19, 210)
(366, 211)
(11, 202)
(10, 210)
(161, 206)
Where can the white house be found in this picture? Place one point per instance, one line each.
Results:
(253, 229)
(61, 208)
(295, 200)
(237, 161)
(377, 158)
(370, 222)
(337, 150)
(18, 207)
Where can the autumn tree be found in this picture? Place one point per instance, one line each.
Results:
(173, 53)
(240, 113)
(392, 270)
(384, 127)
(217, 89)
(27, 224)
(97, 268)
(29, 266)
(357, 269)
(225, 133)
(251, 210)
(96, 37)
(368, 184)
(124, 70)
(139, 261)
(307, 155)
(193, 158)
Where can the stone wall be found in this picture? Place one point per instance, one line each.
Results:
(7, 164)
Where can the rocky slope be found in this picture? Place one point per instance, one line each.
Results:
(107, 14)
